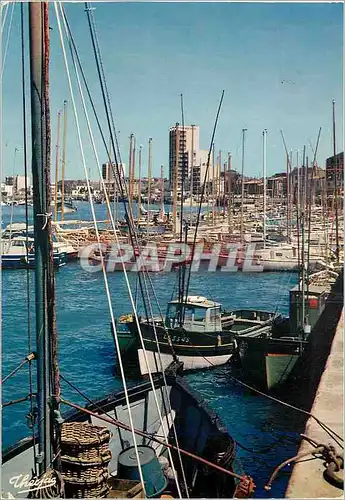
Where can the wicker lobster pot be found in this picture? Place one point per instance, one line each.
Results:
(85, 456)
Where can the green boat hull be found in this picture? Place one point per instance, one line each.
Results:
(268, 363)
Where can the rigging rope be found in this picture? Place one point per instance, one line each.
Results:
(27, 359)
(118, 179)
(203, 192)
(146, 435)
(111, 125)
(98, 240)
(28, 294)
(8, 37)
(116, 237)
(4, 6)
(324, 426)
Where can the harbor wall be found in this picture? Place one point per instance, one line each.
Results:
(324, 389)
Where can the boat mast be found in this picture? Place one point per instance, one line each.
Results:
(63, 161)
(287, 197)
(213, 184)
(139, 182)
(175, 177)
(39, 54)
(149, 174)
(192, 175)
(264, 137)
(298, 223)
(218, 180)
(242, 185)
(303, 221)
(57, 166)
(133, 174)
(335, 187)
(162, 190)
(130, 174)
(229, 190)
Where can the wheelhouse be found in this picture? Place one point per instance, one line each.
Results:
(194, 314)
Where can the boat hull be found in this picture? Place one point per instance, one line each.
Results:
(21, 262)
(268, 363)
(198, 430)
(151, 361)
(195, 349)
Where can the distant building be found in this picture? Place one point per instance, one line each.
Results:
(183, 150)
(109, 174)
(314, 184)
(9, 181)
(198, 173)
(6, 191)
(20, 182)
(335, 166)
(276, 185)
(253, 187)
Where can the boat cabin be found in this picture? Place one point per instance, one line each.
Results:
(200, 314)
(315, 302)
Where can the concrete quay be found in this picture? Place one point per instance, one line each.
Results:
(307, 480)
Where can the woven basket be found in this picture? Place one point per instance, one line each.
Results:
(81, 434)
(91, 476)
(100, 491)
(87, 460)
(84, 459)
(84, 442)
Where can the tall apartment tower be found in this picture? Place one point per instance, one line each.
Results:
(183, 153)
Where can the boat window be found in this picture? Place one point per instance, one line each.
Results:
(199, 314)
(188, 313)
(278, 254)
(214, 314)
(171, 312)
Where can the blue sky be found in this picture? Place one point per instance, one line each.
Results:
(153, 52)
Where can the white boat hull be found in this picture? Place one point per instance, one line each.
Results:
(189, 362)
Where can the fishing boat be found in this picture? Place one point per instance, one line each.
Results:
(158, 437)
(193, 331)
(268, 357)
(202, 339)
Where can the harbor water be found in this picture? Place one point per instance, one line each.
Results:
(266, 432)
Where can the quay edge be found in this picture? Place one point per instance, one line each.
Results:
(307, 478)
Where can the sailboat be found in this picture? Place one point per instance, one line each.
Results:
(156, 438)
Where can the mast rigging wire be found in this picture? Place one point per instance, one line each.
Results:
(8, 37)
(105, 278)
(166, 444)
(99, 244)
(113, 136)
(203, 193)
(118, 179)
(122, 187)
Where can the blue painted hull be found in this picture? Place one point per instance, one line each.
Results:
(21, 262)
